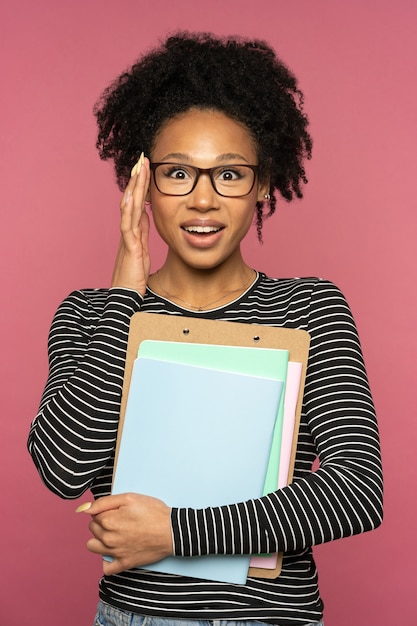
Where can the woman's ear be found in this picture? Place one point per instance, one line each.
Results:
(264, 192)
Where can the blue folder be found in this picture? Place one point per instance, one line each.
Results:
(265, 362)
(187, 436)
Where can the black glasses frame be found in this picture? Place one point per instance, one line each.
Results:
(209, 172)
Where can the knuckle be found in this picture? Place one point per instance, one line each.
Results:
(106, 539)
(130, 499)
(108, 524)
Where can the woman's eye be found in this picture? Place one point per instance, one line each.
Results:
(177, 173)
(229, 175)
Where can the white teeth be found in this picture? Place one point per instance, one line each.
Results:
(201, 229)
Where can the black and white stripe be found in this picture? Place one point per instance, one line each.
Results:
(73, 436)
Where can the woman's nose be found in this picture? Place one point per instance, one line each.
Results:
(204, 197)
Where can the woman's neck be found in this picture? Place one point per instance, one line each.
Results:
(201, 289)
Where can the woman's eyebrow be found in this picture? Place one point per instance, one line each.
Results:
(177, 156)
(231, 156)
(182, 157)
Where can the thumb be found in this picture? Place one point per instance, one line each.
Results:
(106, 503)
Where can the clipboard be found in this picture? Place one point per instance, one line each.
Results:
(161, 327)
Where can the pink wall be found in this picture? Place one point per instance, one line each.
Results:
(357, 226)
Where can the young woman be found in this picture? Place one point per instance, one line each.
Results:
(222, 128)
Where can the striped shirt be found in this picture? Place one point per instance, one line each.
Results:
(72, 441)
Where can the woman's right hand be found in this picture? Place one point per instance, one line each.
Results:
(132, 266)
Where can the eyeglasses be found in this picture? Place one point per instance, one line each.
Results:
(177, 179)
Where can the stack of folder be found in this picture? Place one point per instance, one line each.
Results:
(209, 423)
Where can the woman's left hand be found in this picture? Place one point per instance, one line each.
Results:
(131, 528)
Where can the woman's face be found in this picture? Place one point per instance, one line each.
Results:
(204, 229)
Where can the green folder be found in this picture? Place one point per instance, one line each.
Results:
(262, 362)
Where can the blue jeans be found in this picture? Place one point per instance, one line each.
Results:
(109, 616)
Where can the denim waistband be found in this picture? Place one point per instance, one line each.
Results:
(111, 616)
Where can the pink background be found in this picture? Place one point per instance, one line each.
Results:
(356, 62)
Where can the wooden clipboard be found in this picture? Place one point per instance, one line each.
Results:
(160, 327)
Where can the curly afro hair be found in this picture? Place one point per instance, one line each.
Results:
(242, 78)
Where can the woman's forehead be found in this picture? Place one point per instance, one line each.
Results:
(204, 133)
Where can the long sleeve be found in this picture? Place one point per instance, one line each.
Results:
(73, 435)
(344, 496)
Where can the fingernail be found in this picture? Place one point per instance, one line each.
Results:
(127, 196)
(139, 164)
(83, 507)
(137, 167)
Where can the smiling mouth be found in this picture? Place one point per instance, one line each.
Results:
(202, 230)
